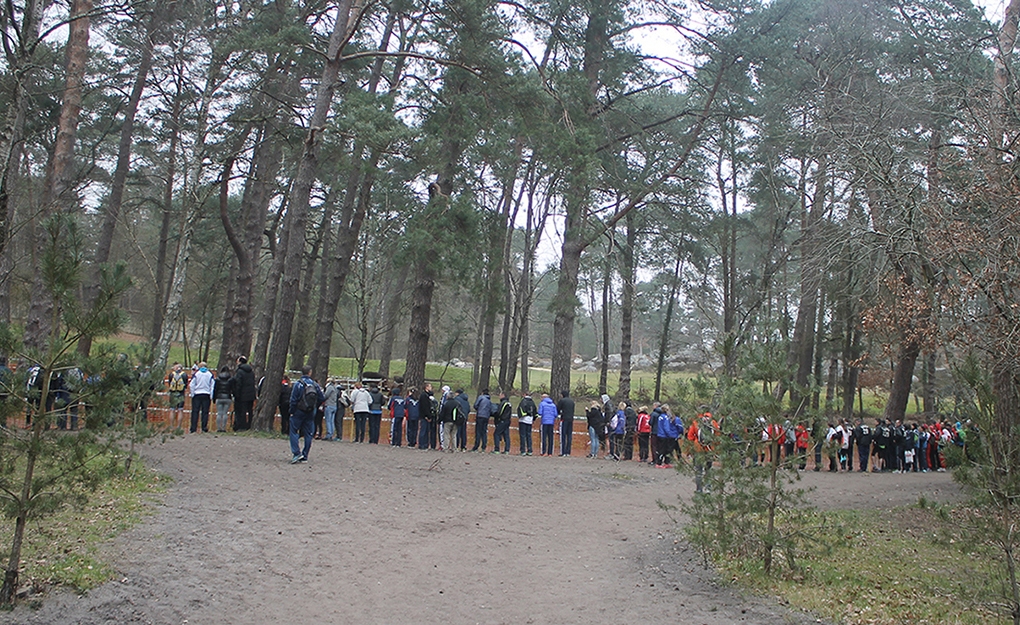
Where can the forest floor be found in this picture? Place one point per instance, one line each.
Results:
(377, 534)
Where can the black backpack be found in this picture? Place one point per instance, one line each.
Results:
(309, 400)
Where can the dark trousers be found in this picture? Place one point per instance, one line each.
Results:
(360, 421)
(502, 434)
(424, 428)
(285, 419)
(628, 446)
(397, 432)
(412, 432)
(242, 414)
(524, 431)
(653, 444)
(547, 438)
(481, 433)
(374, 424)
(566, 436)
(200, 409)
(615, 442)
(666, 449)
(462, 434)
(862, 457)
(642, 443)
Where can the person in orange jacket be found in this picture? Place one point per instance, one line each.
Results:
(703, 433)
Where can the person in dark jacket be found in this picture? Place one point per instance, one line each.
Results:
(244, 394)
(374, 413)
(462, 418)
(483, 410)
(565, 408)
(629, 430)
(501, 417)
(526, 413)
(428, 434)
(449, 416)
(594, 416)
(302, 415)
(223, 387)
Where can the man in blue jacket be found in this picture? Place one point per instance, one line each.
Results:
(547, 412)
(483, 409)
(305, 399)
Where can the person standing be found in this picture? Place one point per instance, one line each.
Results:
(566, 407)
(201, 397)
(413, 417)
(644, 433)
(449, 415)
(547, 412)
(177, 383)
(397, 409)
(501, 417)
(618, 425)
(223, 389)
(305, 399)
(483, 410)
(427, 419)
(462, 418)
(629, 430)
(244, 394)
(594, 416)
(526, 413)
(329, 406)
(374, 413)
(863, 439)
(361, 401)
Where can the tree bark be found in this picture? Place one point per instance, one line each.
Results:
(297, 214)
(627, 270)
(357, 199)
(660, 364)
(267, 311)
(160, 287)
(58, 186)
(115, 201)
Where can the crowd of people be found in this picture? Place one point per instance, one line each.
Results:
(438, 420)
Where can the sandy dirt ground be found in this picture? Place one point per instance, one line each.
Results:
(366, 534)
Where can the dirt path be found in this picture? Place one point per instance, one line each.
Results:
(375, 534)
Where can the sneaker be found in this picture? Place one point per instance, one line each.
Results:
(296, 459)
(303, 459)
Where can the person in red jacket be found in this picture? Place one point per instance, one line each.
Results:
(801, 443)
(644, 431)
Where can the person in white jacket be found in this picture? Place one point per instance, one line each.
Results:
(201, 389)
(361, 401)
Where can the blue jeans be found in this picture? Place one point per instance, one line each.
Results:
(301, 424)
(593, 437)
(547, 437)
(481, 433)
(566, 436)
(330, 416)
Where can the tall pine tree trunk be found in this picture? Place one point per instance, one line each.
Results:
(297, 215)
(627, 271)
(59, 183)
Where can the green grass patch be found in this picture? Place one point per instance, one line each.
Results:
(65, 548)
(909, 565)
